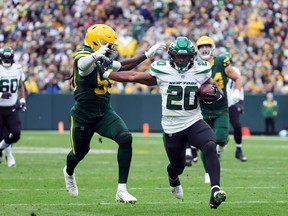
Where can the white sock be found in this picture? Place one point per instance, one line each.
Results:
(8, 150)
(239, 145)
(3, 144)
(188, 151)
(122, 187)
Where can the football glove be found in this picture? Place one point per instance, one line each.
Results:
(100, 53)
(103, 64)
(23, 105)
(152, 51)
(240, 107)
(235, 96)
(212, 97)
(5, 95)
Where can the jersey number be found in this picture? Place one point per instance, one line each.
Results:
(189, 97)
(219, 79)
(9, 85)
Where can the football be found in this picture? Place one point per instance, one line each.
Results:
(206, 88)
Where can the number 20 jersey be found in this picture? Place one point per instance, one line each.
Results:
(179, 92)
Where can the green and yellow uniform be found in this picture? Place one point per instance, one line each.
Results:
(92, 112)
(217, 113)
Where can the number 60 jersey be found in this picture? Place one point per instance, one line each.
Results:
(179, 91)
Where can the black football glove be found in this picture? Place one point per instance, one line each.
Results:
(240, 107)
(22, 104)
(23, 107)
(212, 97)
(103, 64)
(6, 95)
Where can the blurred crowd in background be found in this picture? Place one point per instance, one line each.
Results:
(44, 35)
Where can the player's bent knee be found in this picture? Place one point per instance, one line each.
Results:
(210, 146)
(124, 139)
(12, 138)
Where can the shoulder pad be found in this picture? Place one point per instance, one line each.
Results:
(201, 67)
(160, 66)
(224, 58)
(84, 51)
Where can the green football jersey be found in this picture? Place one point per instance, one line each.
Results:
(219, 64)
(91, 92)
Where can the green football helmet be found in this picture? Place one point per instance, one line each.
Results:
(6, 56)
(182, 53)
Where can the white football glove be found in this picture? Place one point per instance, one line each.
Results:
(235, 96)
(100, 52)
(152, 51)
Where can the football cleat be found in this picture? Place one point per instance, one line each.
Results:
(195, 155)
(217, 198)
(9, 157)
(125, 197)
(177, 192)
(70, 183)
(207, 178)
(188, 160)
(239, 155)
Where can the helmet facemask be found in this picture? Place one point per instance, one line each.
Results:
(205, 47)
(181, 54)
(6, 57)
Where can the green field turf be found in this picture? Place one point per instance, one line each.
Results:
(36, 185)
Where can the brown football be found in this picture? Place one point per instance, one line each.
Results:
(206, 88)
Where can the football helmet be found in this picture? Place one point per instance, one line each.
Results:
(6, 56)
(182, 53)
(98, 35)
(205, 47)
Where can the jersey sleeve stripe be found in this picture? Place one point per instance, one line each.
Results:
(80, 54)
(157, 71)
(204, 71)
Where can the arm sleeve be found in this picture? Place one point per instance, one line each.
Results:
(116, 65)
(85, 65)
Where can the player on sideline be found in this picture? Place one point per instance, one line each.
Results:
(235, 109)
(92, 111)
(179, 80)
(11, 89)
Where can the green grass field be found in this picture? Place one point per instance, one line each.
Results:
(36, 185)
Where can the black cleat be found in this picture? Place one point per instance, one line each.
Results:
(188, 161)
(195, 155)
(239, 155)
(217, 199)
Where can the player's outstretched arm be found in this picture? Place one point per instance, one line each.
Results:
(132, 76)
(131, 63)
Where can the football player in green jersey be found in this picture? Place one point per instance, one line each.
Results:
(179, 80)
(217, 114)
(92, 111)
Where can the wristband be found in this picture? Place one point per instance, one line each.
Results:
(106, 74)
(22, 100)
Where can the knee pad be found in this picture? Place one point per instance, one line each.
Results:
(124, 139)
(12, 138)
(210, 146)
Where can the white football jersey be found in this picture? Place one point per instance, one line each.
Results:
(180, 102)
(230, 87)
(9, 82)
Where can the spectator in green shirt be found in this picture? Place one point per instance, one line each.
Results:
(269, 112)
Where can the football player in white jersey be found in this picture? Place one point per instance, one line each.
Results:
(235, 109)
(12, 98)
(179, 80)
